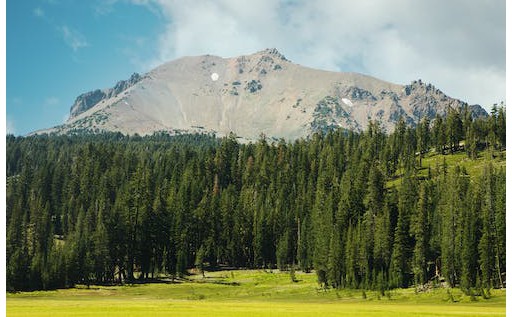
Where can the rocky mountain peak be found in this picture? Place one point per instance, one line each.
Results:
(419, 86)
(250, 95)
(273, 52)
(89, 99)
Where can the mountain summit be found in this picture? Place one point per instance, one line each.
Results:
(261, 93)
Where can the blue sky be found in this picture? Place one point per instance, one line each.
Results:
(58, 49)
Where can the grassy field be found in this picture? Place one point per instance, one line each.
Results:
(248, 293)
(473, 167)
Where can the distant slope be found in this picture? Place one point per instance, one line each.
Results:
(262, 93)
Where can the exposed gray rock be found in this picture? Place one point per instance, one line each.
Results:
(477, 111)
(89, 99)
(261, 93)
(86, 101)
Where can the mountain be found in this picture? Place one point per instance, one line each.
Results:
(261, 93)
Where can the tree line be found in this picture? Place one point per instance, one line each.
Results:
(352, 206)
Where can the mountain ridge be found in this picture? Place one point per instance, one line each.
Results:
(250, 95)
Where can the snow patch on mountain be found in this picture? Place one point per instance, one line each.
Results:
(347, 102)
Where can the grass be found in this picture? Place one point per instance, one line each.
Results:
(247, 293)
(474, 168)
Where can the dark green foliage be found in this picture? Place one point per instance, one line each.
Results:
(439, 134)
(491, 247)
(454, 130)
(501, 133)
(253, 86)
(335, 258)
(112, 209)
(421, 231)
(401, 270)
(283, 254)
(199, 262)
(469, 250)
(423, 137)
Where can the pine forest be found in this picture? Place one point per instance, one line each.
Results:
(362, 210)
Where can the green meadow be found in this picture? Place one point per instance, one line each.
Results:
(474, 168)
(249, 293)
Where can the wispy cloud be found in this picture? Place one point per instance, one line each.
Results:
(51, 101)
(132, 48)
(104, 7)
(73, 38)
(38, 12)
(396, 40)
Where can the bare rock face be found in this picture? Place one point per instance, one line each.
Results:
(86, 101)
(477, 111)
(89, 99)
(261, 93)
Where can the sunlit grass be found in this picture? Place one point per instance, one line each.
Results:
(248, 293)
(473, 167)
(435, 161)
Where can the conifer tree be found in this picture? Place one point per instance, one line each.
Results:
(335, 270)
(322, 222)
(420, 232)
(454, 131)
(400, 261)
(423, 137)
(501, 133)
(439, 134)
(469, 250)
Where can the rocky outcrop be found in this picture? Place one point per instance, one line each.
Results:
(477, 111)
(89, 99)
(86, 101)
(425, 100)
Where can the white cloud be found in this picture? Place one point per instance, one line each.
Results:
(103, 7)
(38, 12)
(73, 38)
(457, 45)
